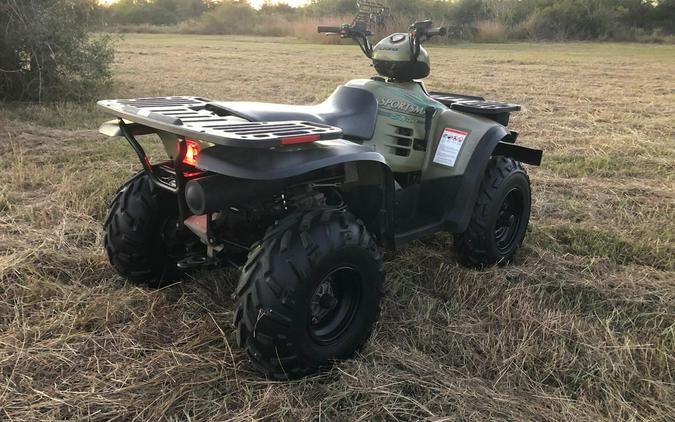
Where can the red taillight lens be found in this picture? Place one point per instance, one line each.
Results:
(191, 152)
(300, 139)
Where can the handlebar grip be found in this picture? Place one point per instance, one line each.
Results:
(329, 29)
(441, 31)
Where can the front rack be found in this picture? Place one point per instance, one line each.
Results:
(196, 118)
(494, 110)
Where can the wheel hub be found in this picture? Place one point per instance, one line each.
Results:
(323, 301)
(333, 305)
(508, 220)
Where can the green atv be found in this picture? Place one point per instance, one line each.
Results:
(302, 199)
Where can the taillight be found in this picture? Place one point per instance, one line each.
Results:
(191, 152)
(302, 139)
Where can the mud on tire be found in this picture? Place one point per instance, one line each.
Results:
(500, 217)
(309, 293)
(139, 232)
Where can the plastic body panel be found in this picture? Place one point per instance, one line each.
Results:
(281, 163)
(400, 121)
(400, 128)
(475, 126)
(393, 58)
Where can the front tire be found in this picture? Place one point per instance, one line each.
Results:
(500, 217)
(140, 233)
(309, 294)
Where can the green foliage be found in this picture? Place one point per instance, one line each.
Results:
(331, 7)
(477, 20)
(663, 16)
(229, 17)
(155, 12)
(46, 52)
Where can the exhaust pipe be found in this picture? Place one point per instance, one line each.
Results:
(217, 192)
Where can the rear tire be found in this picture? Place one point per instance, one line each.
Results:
(500, 217)
(309, 294)
(140, 233)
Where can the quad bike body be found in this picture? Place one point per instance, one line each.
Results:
(301, 199)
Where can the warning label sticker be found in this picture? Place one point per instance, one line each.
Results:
(449, 146)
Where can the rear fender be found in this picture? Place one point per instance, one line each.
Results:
(368, 188)
(170, 141)
(282, 162)
(369, 194)
(112, 128)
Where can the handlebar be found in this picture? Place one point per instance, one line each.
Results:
(358, 34)
(329, 29)
(440, 31)
(344, 31)
(419, 33)
(423, 31)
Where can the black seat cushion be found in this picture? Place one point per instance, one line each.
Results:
(353, 110)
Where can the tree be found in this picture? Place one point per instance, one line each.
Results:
(46, 52)
(663, 16)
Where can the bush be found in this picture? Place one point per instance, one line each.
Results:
(229, 17)
(154, 12)
(490, 32)
(46, 52)
(575, 19)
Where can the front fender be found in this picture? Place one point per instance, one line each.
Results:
(465, 189)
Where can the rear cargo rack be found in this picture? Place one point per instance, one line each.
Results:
(494, 110)
(195, 118)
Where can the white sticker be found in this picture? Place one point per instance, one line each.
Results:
(144, 112)
(449, 146)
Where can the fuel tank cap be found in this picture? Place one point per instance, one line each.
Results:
(397, 38)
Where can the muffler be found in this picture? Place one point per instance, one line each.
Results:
(217, 192)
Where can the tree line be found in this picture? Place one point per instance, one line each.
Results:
(465, 19)
(59, 50)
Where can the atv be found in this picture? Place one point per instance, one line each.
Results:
(303, 199)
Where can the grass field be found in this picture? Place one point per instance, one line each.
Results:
(581, 328)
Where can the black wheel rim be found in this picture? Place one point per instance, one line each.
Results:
(509, 221)
(333, 305)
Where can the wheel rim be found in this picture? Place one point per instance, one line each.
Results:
(509, 220)
(333, 305)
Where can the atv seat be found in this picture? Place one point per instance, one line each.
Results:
(353, 110)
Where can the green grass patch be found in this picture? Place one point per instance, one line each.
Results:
(56, 115)
(567, 165)
(5, 200)
(597, 243)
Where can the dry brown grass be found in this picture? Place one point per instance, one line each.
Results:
(582, 328)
